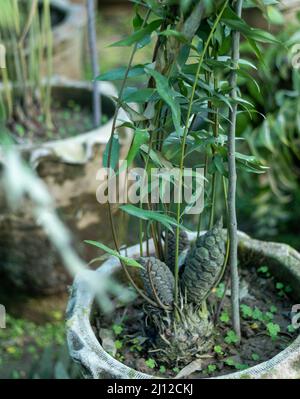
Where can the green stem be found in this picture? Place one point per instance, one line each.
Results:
(94, 60)
(204, 186)
(110, 212)
(186, 129)
(207, 78)
(213, 200)
(214, 178)
(141, 234)
(8, 92)
(114, 122)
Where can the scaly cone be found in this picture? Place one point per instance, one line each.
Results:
(157, 276)
(204, 264)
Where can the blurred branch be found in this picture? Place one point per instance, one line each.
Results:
(33, 9)
(94, 60)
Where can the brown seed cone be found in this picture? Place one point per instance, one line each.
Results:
(162, 280)
(203, 264)
(171, 247)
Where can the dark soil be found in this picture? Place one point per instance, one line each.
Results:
(266, 330)
(67, 121)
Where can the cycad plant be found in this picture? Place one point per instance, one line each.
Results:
(186, 117)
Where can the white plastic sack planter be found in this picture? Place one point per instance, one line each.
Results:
(85, 349)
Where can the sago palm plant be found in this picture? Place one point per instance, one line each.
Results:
(185, 117)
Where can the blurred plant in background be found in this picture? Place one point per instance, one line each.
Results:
(40, 350)
(273, 136)
(25, 29)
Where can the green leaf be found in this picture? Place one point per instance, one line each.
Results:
(279, 286)
(250, 163)
(247, 312)
(137, 21)
(275, 16)
(255, 357)
(162, 369)
(291, 328)
(120, 73)
(118, 344)
(156, 157)
(273, 309)
(218, 350)
(231, 19)
(141, 136)
(225, 61)
(125, 259)
(211, 368)
(150, 363)
(229, 362)
(273, 330)
(231, 337)
(171, 148)
(168, 95)
(263, 269)
(115, 153)
(220, 291)
(240, 366)
(262, 36)
(224, 317)
(144, 214)
(179, 36)
(138, 35)
(117, 329)
(174, 33)
(256, 50)
(250, 80)
(133, 114)
(138, 24)
(258, 314)
(139, 96)
(218, 162)
(262, 4)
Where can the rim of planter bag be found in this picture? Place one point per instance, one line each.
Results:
(77, 149)
(96, 363)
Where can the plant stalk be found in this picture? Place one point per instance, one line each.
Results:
(186, 130)
(111, 218)
(49, 54)
(214, 178)
(232, 181)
